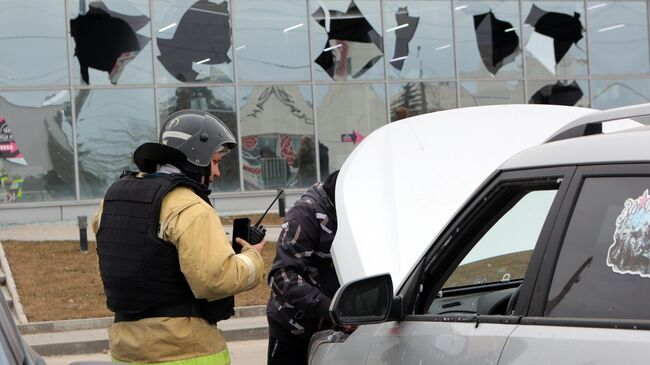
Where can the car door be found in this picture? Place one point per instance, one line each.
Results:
(590, 303)
(457, 298)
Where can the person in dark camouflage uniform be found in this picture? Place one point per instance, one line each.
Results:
(302, 279)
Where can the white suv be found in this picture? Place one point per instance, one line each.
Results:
(547, 261)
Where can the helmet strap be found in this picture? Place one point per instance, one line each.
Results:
(206, 174)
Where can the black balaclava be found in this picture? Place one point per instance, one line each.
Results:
(329, 185)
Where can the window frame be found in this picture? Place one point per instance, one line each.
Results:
(535, 314)
(473, 209)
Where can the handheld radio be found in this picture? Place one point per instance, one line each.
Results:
(241, 228)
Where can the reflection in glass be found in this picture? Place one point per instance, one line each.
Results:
(487, 34)
(347, 41)
(36, 154)
(111, 124)
(218, 101)
(491, 93)
(419, 38)
(347, 113)
(609, 94)
(560, 92)
(194, 41)
(111, 41)
(554, 38)
(615, 29)
(271, 40)
(414, 98)
(277, 136)
(33, 41)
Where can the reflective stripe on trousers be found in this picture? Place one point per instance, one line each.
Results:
(220, 358)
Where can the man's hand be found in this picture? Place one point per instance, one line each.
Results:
(258, 247)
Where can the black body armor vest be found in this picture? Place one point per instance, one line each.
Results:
(140, 271)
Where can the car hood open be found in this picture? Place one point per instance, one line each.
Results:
(404, 182)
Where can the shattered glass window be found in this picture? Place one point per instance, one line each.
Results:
(555, 39)
(194, 41)
(277, 137)
(36, 153)
(271, 41)
(474, 93)
(603, 270)
(33, 43)
(488, 39)
(618, 28)
(347, 42)
(609, 94)
(218, 101)
(419, 39)
(570, 92)
(110, 41)
(111, 124)
(414, 98)
(347, 113)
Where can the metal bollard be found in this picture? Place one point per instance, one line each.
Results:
(82, 220)
(281, 203)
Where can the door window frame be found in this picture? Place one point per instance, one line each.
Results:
(473, 214)
(535, 313)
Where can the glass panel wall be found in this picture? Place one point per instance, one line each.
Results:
(33, 43)
(36, 153)
(559, 92)
(419, 39)
(346, 114)
(615, 93)
(271, 40)
(554, 38)
(347, 41)
(111, 124)
(299, 82)
(473, 93)
(193, 41)
(277, 137)
(414, 98)
(488, 39)
(618, 28)
(110, 42)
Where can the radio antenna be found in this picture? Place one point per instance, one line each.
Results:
(267, 209)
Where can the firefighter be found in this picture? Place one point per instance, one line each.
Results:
(168, 269)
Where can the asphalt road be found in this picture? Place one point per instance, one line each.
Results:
(241, 352)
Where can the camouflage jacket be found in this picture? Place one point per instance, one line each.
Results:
(302, 279)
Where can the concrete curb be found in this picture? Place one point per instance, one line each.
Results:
(105, 322)
(96, 340)
(11, 285)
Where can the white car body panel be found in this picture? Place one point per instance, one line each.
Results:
(404, 182)
(530, 345)
(621, 146)
(414, 342)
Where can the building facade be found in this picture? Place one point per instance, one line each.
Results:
(299, 82)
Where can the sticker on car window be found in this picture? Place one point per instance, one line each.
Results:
(630, 251)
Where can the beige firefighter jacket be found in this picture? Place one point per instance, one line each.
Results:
(213, 271)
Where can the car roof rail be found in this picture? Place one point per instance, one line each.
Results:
(592, 123)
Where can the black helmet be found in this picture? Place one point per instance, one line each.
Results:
(197, 134)
(188, 139)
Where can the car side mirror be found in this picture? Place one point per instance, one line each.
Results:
(363, 301)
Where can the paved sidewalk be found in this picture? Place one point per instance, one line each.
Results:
(251, 352)
(95, 340)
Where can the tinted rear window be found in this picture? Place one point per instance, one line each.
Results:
(604, 266)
